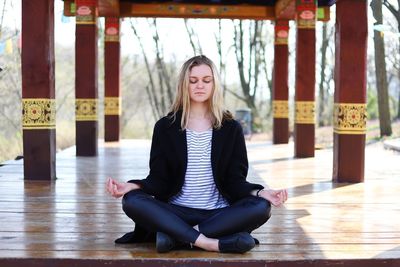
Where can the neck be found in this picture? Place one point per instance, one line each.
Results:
(198, 110)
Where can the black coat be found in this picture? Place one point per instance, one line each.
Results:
(168, 160)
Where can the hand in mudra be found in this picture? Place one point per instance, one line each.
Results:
(276, 197)
(118, 189)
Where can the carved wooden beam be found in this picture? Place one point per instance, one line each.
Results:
(285, 9)
(69, 8)
(176, 10)
(108, 8)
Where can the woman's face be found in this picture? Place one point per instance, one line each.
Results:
(201, 83)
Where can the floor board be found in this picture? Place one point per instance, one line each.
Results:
(72, 221)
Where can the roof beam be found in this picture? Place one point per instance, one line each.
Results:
(285, 9)
(108, 8)
(177, 10)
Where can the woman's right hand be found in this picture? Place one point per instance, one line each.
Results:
(118, 189)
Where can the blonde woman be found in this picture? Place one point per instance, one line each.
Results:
(196, 192)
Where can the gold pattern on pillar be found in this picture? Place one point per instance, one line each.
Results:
(281, 32)
(112, 106)
(281, 109)
(86, 11)
(306, 13)
(349, 118)
(305, 112)
(38, 113)
(112, 30)
(86, 109)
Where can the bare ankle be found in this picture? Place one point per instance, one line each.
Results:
(206, 243)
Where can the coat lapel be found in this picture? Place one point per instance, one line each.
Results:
(178, 137)
(218, 140)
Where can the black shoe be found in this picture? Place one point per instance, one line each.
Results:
(164, 242)
(236, 243)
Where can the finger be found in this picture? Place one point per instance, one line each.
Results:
(276, 203)
(113, 190)
(281, 197)
(286, 195)
(111, 186)
(108, 186)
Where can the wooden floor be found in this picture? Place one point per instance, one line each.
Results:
(72, 222)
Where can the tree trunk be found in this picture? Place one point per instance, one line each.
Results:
(248, 85)
(380, 71)
(150, 89)
(192, 34)
(396, 13)
(398, 77)
(321, 96)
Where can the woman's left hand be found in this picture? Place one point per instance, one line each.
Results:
(276, 197)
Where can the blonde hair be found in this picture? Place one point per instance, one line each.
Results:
(182, 98)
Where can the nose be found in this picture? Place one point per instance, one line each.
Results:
(200, 84)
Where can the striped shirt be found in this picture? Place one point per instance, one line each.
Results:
(199, 190)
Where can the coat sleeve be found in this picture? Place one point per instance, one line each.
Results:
(236, 185)
(156, 183)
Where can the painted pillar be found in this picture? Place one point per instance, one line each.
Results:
(280, 84)
(86, 78)
(38, 94)
(350, 113)
(111, 79)
(304, 128)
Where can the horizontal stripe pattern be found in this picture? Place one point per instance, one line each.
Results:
(199, 190)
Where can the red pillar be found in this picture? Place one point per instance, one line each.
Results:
(350, 90)
(86, 78)
(111, 77)
(304, 129)
(38, 94)
(280, 86)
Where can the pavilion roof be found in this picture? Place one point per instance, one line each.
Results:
(228, 9)
(225, 2)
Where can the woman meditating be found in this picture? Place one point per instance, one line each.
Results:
(196, 192)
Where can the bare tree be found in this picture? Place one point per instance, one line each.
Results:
(192, 36)
(150, 88)
(2, 16)
(253, 60)
(160, 96)
(380, 71)
(218, 40)
(396, 14)
(267, 71)
(325, 78)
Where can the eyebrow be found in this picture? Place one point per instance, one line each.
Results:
(208, 76)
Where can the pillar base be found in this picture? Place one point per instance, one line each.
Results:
(86, 138)
(39, 154)
(111, 128)
(348, 158)
(281, 131)
(304, 140)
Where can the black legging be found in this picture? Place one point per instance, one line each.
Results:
(244, 215)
